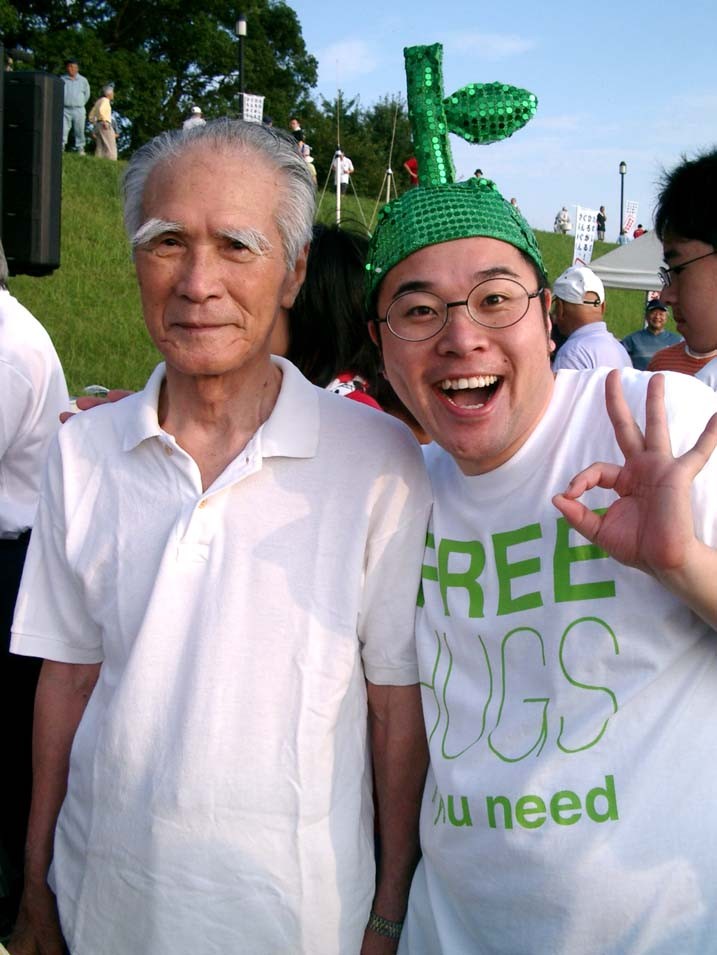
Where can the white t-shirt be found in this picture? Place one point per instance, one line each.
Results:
(570, 706)
(591, 346)
(34, 393)
(343, 167)
(219, 792)
(708, 374)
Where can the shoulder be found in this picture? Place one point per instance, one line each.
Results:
(22, 338)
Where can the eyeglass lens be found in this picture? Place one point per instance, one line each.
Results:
(495, 303)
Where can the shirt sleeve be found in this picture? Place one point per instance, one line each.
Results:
(50, 616)
(392, 574)
(16, 405)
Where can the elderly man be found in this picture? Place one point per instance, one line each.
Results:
(645, 343)
(76, 95)
(685, 224)
(579, 313)
(568, 694)
(223, 588)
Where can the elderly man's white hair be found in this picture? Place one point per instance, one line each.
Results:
(295, 208)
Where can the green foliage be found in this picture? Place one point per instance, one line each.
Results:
(165, 55)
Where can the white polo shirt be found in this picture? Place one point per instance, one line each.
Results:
(591, 346)
(220, 792)
(34, 393)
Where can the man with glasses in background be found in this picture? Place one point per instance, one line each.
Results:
(567, 651)
(685, 223)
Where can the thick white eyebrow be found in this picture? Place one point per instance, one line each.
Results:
(256, 242)
(151, 229)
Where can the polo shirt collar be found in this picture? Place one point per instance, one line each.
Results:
(291, 430)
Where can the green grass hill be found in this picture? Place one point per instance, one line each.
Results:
(90, 305)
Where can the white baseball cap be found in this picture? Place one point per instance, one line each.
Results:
(196, 109)
(575, 282)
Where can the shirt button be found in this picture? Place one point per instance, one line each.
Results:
(203, 503)
(168, 449)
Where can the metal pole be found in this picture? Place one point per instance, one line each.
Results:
(623, 170)
(241, 33)
(337, 172)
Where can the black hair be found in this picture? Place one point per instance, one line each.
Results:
(687, 199)
(327, 323)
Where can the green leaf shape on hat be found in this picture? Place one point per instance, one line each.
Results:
(488, 112)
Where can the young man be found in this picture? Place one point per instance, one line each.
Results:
(645, 343)
(223, 589)
(579, 315)
(685, 223)
(568, 678)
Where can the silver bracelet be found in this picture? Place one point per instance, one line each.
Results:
(385, 927)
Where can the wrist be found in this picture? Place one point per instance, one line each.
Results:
(386, 928)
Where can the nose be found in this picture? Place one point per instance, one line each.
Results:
(669, 293)
(199, 275)
(461, 334)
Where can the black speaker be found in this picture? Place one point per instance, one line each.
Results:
(32, 171)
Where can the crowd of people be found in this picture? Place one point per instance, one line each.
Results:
(306, 688)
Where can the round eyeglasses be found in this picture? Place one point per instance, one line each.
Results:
(667, 274)
(494, 303)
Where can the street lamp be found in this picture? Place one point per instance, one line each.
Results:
(623, 170)
(241, 33)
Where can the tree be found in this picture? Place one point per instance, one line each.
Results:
(365, 135)
(166, 55)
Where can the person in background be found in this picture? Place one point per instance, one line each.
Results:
(639, 231)
(76, 91)
(643, 344)
(343, 169)
(601, 221)
(102, 128)
(222, 581)
(579, 314)
(195, 118)
(411, 167)
(324, 333)
(562, 224)
(295, 129)
(686, 225)
(34, 393)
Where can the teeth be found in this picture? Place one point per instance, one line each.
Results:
(458, 384)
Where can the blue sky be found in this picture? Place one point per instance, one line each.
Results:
(633, 81)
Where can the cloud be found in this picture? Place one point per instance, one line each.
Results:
(491, 46)
(347, 58)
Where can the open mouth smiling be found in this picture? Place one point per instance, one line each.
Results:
(473, 392)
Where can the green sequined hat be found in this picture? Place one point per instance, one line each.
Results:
(440, 210)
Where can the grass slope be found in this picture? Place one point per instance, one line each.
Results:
(90, 305)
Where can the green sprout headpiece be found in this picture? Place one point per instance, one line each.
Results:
(441, 209)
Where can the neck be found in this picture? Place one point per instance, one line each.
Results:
(213, 417)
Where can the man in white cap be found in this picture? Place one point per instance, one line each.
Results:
(578, 313)
(195, 118)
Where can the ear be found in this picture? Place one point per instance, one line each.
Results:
(373, 333)
(548, 299)
(294, 279)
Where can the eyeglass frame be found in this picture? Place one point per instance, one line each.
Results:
(665, 274)
(449, 305)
